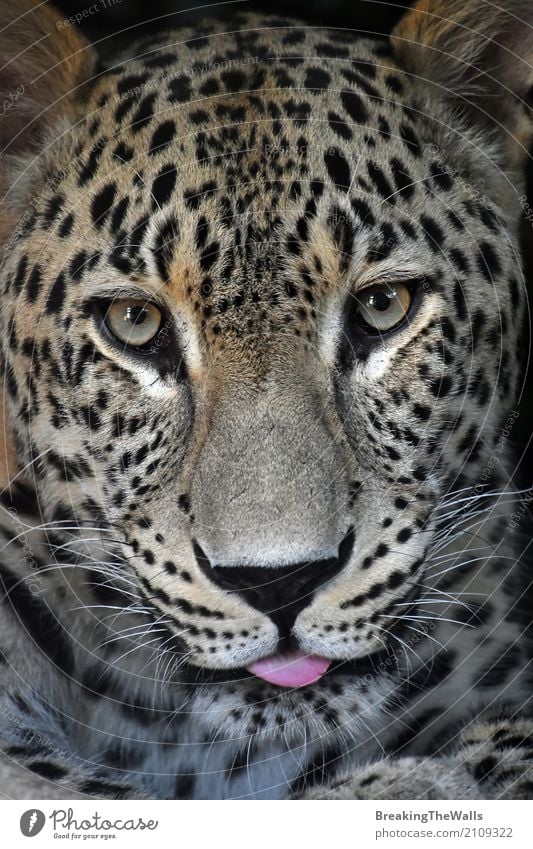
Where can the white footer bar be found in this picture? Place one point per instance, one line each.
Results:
(267, 825)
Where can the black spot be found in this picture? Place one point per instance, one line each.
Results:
(402, 179)
(316, 78)
(360, 82)
(197, 43)
(77, 265)
(46, 769)
(484, 768)
(384, 128)
(11, 383)
(441, 177)
(123, 152)
(184, 503)
(88, 171)
(144, 113)
(354, 106)
(381, 250)
(160, 60)
(53, 208)
(130, 82)
(376, 174)
(295, 36)
(459, 260)
(408, 229)
(338, 168)
(488, 262)
(56, 296)
(408, 136)
(234, 80)
(20, 274)
(119, 214)
(339, 126)
(363, 66)
(209, 256)
(125, 106)
(165, 242)
(441, 387)
(433, 233)
(450, 333)
(421, 412)
(65, 228)
(33, 286)
(162, 137)
(333, 50)
(460, 300)
(163, 185)
(370, 779)
(363, 211)
(455, 221)
(102, 203)
(490, 219)
(210, 87)
(394, 83)
(199, 116)
(298, 110)
(467, 441)
(105, 789)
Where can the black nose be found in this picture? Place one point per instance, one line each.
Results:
(281, 592)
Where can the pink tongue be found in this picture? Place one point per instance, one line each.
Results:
(294, 669)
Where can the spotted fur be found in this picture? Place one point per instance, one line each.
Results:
(269, 476)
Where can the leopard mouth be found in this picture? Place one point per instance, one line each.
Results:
(337, 670)
(292, 668)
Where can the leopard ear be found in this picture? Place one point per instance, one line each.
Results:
(44, 62)
(474, 60)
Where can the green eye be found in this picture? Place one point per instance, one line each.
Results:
(133, 321)
(383, 306)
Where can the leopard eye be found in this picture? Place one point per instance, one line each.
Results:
(383, 306)
(133, 321)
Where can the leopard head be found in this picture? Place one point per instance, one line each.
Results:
(260, 317)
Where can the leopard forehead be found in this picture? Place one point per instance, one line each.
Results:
(266, 166)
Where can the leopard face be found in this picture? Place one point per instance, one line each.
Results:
(259, 321)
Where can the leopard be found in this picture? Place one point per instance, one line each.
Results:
(263, 333)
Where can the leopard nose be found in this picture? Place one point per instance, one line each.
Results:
(281, 592)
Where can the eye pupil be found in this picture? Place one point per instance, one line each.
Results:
(136, 315)
(380, 301)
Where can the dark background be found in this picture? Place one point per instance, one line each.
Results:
(129, 19)
(369, 15)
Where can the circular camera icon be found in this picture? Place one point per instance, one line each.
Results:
(32, 822)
